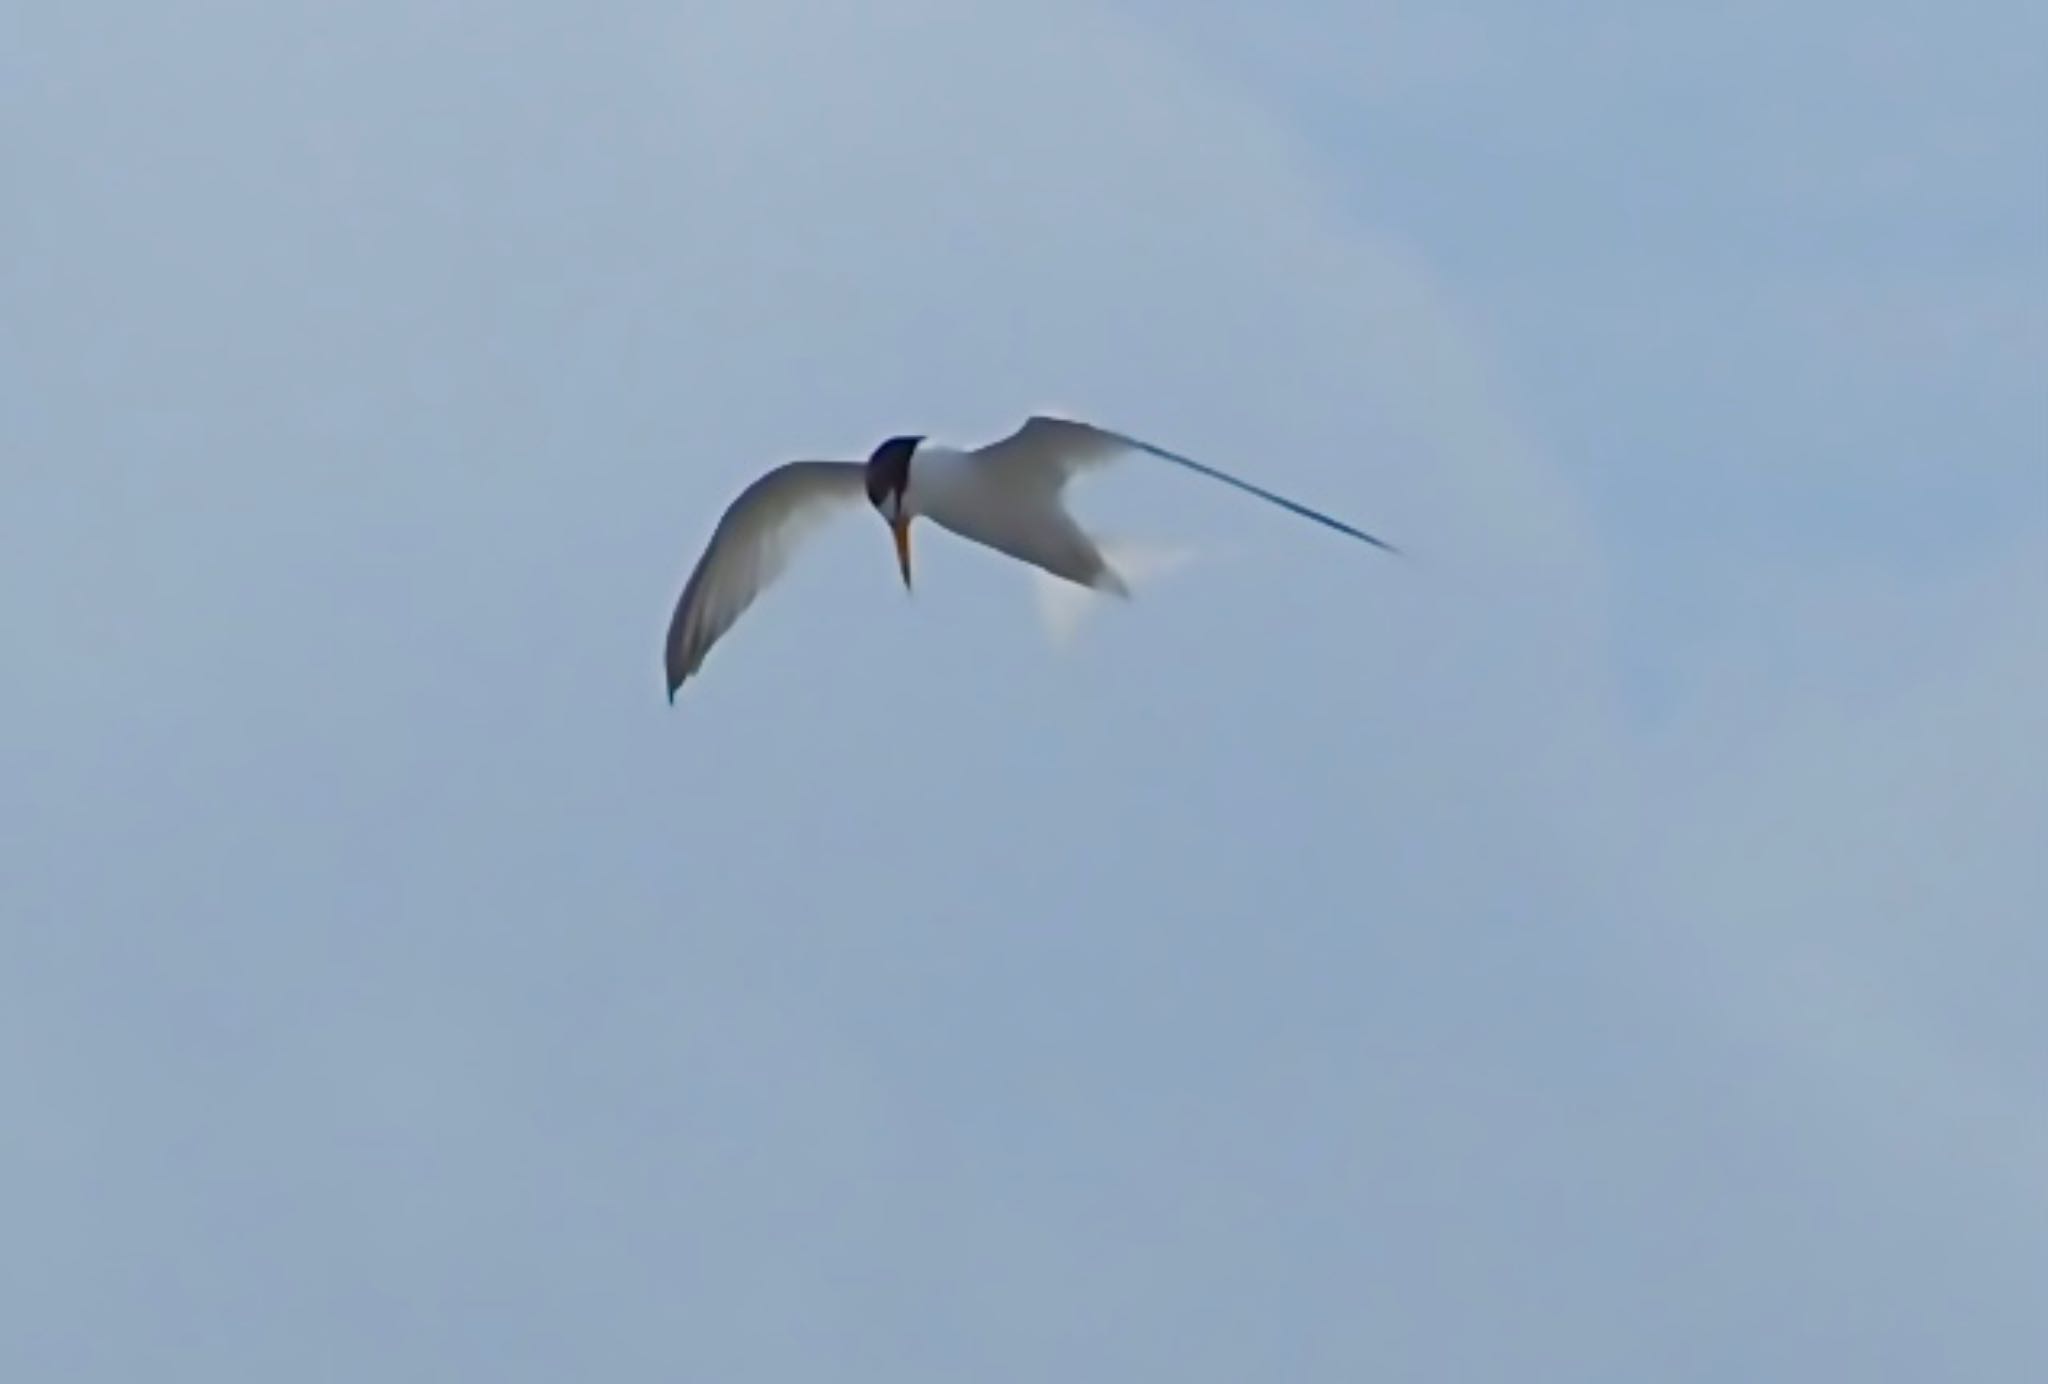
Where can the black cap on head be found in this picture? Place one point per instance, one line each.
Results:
(889, 468)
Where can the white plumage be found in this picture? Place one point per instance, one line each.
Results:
(1008, 495)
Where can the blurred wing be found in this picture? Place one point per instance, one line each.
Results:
(750, 548)
(1051, 451)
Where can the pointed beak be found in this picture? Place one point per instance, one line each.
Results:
(900, 526)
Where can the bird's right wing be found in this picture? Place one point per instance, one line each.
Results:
(1048, 451)
(750, 548)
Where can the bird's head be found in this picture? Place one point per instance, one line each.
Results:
(888, 481)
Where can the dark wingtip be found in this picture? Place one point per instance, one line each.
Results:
(675, 670)
(1295, 506)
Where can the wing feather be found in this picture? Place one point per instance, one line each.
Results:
(1050, 451)
(751, 547)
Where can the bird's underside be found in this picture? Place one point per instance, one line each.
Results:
(1017, 516)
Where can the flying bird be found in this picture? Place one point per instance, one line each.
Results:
(1008, 495)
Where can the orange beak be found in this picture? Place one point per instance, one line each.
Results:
(900, 526)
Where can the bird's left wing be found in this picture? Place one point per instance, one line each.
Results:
(750, 548)
(1049, 451)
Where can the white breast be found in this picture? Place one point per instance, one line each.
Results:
(1009, 509)
(942, 480)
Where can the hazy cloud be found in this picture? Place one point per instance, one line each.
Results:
(1329, 965)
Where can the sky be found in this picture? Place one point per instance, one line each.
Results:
(1603, 945)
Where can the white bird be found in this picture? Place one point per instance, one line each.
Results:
(1007, 495)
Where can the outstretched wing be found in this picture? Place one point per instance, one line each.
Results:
(1049, 451)
(749, 549)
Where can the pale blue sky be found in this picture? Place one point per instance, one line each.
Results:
(1607, 947)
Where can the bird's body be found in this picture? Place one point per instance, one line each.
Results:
(1008, 496)
(1016, 510)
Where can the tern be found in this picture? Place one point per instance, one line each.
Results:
(1008, 495)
